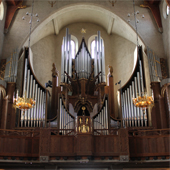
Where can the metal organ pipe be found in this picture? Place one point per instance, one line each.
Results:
(33, 117)
(101, 120)
(65, 120)
(133, 116)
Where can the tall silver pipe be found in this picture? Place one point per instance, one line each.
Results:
(139, 87)
(131, 105)
(134, 108)
(84, 61)
(40, 109)
(141, 76)
(62, 62)
(43, 108)
(126, 111)
(27, 91)
(123, 107)
(32, 110)
(38, 101)
(60, 114)
(142, 84)
(96, 70)
(103, 62)
(107, 125)
(30, 95)
(136, 92)
(70, 56)
(35, 108)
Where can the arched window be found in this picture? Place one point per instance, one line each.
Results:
(73, 49)
(167, 10)
(74, 45)
(1, 10)
(92, 49)
(91, 45)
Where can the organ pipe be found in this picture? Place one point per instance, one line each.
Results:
(135, 86)
(36, 116)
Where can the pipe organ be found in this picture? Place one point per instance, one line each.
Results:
(11, 67)
(65, 119)
(82, 77)
(131, 115)
(66, 57)
(99, 59)
(35, 117)
(101, 120)
(83, 86)
(154, 66)
(83, 60)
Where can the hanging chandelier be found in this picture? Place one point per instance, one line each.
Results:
(143, 101)
(23, 103)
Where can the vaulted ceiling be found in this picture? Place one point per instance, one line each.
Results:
(52, 19)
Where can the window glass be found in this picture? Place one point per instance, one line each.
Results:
(92, 48)
(73, 49)
(167, 10)
(1, 10)
(91, 45)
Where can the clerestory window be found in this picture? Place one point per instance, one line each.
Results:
(1, 10)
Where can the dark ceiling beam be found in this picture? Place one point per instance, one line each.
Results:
(12, 7)
(153, 5)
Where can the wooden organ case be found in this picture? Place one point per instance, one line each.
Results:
(77, 122)
(83, 86)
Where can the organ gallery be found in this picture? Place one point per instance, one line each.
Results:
(66, 102)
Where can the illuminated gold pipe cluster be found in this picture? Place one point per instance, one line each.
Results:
(23, 103)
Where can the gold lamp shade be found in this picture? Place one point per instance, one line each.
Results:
(143, 101)
(23, 103)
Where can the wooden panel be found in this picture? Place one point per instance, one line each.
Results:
(67, 144)
(157, 145)
(106, 145)
(55, 144)
(35, 146)
(160, 144)
(84, 145)
(167, 142)
(123, 141)
(109, 144)
(145, 145)
(62, 146)
(19, 146)
(152, 145)
(44, 146)
(99, 144)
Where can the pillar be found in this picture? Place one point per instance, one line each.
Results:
(111, 95)
(11, 113)
(4, 113)
(158, 113)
